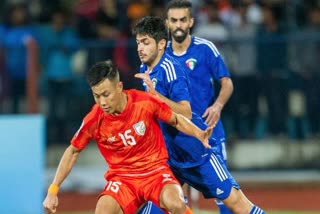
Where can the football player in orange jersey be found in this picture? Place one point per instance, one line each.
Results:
(124, 124)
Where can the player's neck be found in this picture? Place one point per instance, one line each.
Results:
(122, 104)
(181, 48)
(155, 62)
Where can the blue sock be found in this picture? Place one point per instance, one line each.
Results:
(257, 210)
(222, 207)
(150, 208)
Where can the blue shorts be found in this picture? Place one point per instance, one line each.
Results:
(220, 151)
(211, 178)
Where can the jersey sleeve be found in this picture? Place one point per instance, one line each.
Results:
(216, 63)
(178, 83)
(87, 129)
(162, 111)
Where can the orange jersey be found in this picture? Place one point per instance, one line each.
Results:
(130, 142)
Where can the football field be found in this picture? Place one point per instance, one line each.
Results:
(274, 199)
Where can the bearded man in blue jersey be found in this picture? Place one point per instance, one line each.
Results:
(193, 164)
(204, 65)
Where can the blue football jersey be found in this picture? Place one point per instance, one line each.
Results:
(204, 65)
(170, 79)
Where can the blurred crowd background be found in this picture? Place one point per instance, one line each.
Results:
(271, 48)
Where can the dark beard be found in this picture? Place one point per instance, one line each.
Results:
(180, 39)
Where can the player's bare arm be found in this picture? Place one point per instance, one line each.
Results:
(182, 107)
(186, 126)
(67, 162)
(213, 112)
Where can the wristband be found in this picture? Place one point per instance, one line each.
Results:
(53, 189)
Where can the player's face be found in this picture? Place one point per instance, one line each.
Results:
(179, 23)
(147, 49)
(107, 95)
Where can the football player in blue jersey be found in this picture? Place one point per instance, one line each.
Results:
(204, 66)
(193, 164)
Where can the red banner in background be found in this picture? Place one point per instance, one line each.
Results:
(32, 77)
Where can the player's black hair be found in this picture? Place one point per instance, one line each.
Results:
(177, 4)
(101, 71)
(152, 26)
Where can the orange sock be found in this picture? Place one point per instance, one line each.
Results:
(188, 211)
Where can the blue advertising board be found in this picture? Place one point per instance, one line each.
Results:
(22, 163)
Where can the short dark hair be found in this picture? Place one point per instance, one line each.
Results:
(152, 26)
(101, 71)
(174, 4)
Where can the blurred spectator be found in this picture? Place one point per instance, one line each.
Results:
(106, 24)
(21, 57)
(244, 72)
(214, 29)
(305, 93)
(109, 15)
(105, 33)
(157, 7)
(254, 14)
(59, 43)
(111, 36)
(137, 9)
(3, 75)
(85, 13)
(311, 66)
(273, 72)
(226, 13)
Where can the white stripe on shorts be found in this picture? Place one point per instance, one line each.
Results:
(147, 209)
(218, 168)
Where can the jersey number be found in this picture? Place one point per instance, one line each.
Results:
(128, 139)
(113, 186)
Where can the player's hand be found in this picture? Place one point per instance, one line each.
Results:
(50, 204)
(212, 114)
(205, 138)
(147, 81)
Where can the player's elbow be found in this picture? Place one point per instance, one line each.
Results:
(227, 84)
(173, 120)
(185, 109)
(231, 85)
(188, 115)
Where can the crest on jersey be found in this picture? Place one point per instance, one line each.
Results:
(191, 63)
(139, 128)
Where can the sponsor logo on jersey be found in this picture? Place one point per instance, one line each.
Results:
(112, 139)
(139, 128)
(167, 177)
(191, 63)
(204, 155)
(219, 191)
